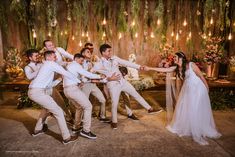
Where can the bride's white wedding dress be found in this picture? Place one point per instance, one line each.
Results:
(193, 114)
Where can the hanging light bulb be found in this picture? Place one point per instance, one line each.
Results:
(185, 23)
(80, 43)
(104, 22)
(158, 22)
(230, 36)
(177, 37)
(65, 32)
(89, 39)
(152, 35)
(61, 33)
(119, 35)
(190, 35)
(204, 36)
(136, 35)
(133, 23)
(172, 34)
(87, 35)
(211, 21)
(180, 31)
(104, 35)
(83, 34)
(209, 34)
(49, 34)
(34, 34)
(73, 37)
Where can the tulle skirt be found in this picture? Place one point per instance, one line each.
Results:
(193, 114)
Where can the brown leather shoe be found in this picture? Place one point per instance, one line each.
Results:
(114, 125)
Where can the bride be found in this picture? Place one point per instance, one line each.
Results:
(193, 115)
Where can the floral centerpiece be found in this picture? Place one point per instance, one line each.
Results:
(213, 55)
(167, 56)
(13, 64)
(213, 51)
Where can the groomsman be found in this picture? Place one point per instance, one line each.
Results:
(91, 88)
(31, 71)
(73, 92)
(108, 65)
(60, 52)
(37, 93)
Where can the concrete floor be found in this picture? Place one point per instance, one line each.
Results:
(147, 137)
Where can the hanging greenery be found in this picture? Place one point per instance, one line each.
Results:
(3, 18)
(19, 7)
(122, 25)
(135, 9)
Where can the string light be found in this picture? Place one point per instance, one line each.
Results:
(190, 35)
(180, 31)
(133, 23)
(80, 43)
(65, 32)
(104, 35)
(49, 34)
(73, 37)
(211, 21)
(204, 36)
(172, 34)
(209, 33)
(152, 35)
(136, 35)
(177, 37)
(104, 22)
(83, 34)
(34, 34)
(89, 39)
(119, 35)
(61, 33)
(158, 22)
(87, 35)
(230, 36)
(185, 23)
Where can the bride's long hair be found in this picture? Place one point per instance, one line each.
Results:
(181, 74)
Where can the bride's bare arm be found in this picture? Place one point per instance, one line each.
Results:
(199, 74)
(170, 69)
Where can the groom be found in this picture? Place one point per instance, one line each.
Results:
(109, 65)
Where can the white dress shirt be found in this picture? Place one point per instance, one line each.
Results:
(110, 66)
(31, 70)
(60, 53)
(46, 74)
(77, 70)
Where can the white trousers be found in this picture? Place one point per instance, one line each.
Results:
(91, 88)
(115, 89)
(75, 94)
(40, 96)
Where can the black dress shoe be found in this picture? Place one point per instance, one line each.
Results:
(133, 117)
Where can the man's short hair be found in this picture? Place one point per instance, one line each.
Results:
(44, 42)
(48, 53)
(78, 55)
(29, 52)
(88, 44)
(104, 47)
(83, 50)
